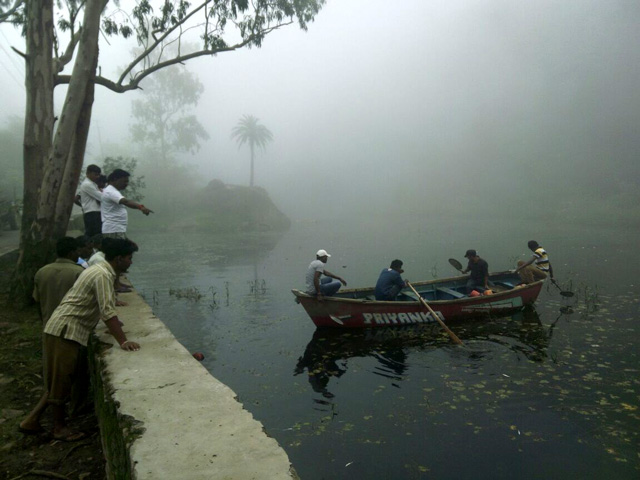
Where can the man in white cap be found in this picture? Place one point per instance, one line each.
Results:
(322, 287)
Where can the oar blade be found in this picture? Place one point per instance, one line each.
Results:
(455, 264)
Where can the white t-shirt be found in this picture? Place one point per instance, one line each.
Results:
(90, 196)
(114, 214)
(315, 266)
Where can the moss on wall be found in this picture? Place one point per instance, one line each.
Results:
(118, 431)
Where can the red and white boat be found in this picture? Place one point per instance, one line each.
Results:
(357, 308)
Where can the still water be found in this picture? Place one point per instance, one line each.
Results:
(540, 394)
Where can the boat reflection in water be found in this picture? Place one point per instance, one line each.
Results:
(326, 355)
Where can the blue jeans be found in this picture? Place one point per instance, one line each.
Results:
(329, 286)
(391, 294)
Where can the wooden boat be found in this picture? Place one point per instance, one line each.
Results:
(357, 307)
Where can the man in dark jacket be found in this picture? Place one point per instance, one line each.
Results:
(479, 268)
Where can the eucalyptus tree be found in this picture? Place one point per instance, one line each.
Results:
(64, 35)
(249, 131)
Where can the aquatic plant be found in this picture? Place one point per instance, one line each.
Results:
(214, 303)
(190, 293)
(257, 287)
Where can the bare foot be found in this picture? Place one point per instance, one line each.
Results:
(30, 428)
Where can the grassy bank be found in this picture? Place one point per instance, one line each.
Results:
(34, 456)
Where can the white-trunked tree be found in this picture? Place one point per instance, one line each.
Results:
(54, 147)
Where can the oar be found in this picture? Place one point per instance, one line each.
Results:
(564, 293)
(453, 336)
(455, 264)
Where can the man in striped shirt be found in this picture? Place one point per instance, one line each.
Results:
(92, 298)
(529, 273)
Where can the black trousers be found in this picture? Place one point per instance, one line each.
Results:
(92, 223)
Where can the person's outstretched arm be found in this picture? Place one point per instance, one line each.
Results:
(135, 206)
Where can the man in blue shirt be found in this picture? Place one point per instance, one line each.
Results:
(390, 282)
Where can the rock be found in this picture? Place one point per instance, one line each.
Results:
(7, 446)
(11, 413)
(233, 208)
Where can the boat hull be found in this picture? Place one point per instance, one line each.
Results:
(343, 312)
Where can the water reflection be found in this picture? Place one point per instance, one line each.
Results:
(326, 355)
(523, 333)
(328, 351)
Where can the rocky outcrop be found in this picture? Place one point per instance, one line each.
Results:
(232, 208)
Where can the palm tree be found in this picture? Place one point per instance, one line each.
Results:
(250, 131)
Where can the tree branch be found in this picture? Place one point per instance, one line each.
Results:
(118, 87)
(23, 55)
(63, 60)
(6, 15)
(158, 41)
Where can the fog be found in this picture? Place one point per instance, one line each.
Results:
(506, 108)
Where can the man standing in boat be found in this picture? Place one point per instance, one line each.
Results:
(322, 287)
(390, 282)
(529, 273)
(479, 269)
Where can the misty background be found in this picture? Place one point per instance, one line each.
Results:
(412, 109)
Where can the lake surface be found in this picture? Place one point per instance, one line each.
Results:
(539, 394)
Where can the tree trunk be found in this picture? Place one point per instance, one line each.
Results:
(38, 133)
(55, 195)
(73, 169)
(251, 179)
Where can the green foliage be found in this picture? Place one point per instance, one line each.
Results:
(164, 128)
(250, 132)
(12, 11)
(136, 184)
(253, 20)
(163, 125)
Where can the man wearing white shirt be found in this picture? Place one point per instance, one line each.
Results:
(114, 213)
(90, 200)
(318, 285)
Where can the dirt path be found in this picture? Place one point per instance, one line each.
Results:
(34, 456)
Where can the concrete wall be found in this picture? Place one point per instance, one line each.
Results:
(163, 416)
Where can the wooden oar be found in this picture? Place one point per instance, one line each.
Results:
(564, 293)
(453, 336)
(455, 264)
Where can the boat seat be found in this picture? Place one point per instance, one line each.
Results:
(505, 284)
(410, 294)
(451, 292)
